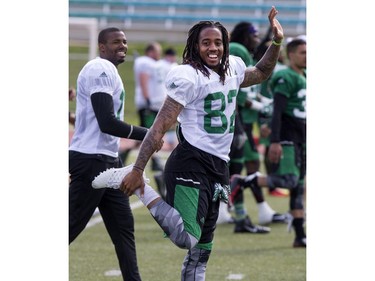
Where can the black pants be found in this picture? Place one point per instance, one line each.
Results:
(113, 205)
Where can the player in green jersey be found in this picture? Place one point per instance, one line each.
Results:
(287, 152)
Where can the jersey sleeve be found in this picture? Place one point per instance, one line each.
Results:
(281, 83)
(101, 77)
(239, 67)
(180, 85)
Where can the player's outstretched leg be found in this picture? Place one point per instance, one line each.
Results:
(168, 218)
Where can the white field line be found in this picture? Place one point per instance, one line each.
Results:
(235, 276)
(98, 219)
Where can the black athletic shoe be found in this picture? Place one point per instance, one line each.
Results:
(279, 218)
(245, 226)
(299, 243)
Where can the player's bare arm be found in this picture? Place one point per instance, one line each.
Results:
(165, 119)
(263, 69)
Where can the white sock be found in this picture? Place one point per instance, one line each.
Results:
(265, 208)
(265, 213)
(149, 194)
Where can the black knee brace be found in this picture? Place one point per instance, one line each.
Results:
(285, 181)
(296, 197)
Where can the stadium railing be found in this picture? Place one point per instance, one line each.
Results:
(169, 21)
(183, 11)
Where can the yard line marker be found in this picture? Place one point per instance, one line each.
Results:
(98, 219)
(113, 272)
(235, 276)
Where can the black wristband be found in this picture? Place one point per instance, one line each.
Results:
(137, 133)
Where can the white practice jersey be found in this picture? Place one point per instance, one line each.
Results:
(98, 75)
(145, 64)
(162, 68)
(207, 120)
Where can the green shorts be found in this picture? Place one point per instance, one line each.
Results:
(292, 160)
(250, 152)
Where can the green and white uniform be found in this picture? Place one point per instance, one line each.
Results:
(290, 130)
(207, 120)
(199, 163)
(201, 158)
(292, 85)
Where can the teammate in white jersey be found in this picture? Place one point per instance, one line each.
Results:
(149, 93)
(94, 148)
(201, 96)
(148, 85)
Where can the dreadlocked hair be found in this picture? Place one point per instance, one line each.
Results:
(240, 32)
(191, 54)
